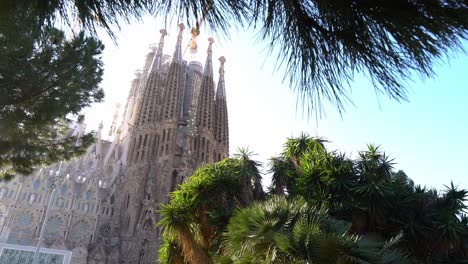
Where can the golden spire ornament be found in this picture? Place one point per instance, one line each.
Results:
(193, 41)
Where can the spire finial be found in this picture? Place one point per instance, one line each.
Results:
(221, 67)
(208, 64)
(193, 42)
(178, 49)
(210, 46)
(181, 29)
(161, 40)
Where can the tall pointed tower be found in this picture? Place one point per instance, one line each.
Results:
(204, 141)
(175, 123)
(221, 126)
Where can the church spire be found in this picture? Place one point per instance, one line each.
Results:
(169, 109)
(161, 42)
(208, 71)
(221, 126)
(178, 49)
(159, 53)
(204, 146)
(221, 90)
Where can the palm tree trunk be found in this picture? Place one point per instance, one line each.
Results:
(192, 252)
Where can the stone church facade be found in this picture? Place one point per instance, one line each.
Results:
(105, 203)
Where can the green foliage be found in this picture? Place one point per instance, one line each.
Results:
(200, 210)
(323, 207)
(321, 44)
(90, 14)
(292, 231)
(43, 78)
(369, 194)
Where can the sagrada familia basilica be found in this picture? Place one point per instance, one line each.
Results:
(104, 207)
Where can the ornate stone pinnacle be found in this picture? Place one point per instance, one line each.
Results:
(161, 40)
(210, 50)
(221, 67)
(181, 28)
(222, 60)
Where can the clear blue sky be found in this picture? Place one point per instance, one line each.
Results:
(426, 136)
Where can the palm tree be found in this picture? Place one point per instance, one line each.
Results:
(282, 176)
(374, 166)
(200, 209)
(369, 194)
(372, 190)
(292, 231)
(248, 170)
(330, 209)
(296, 148)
